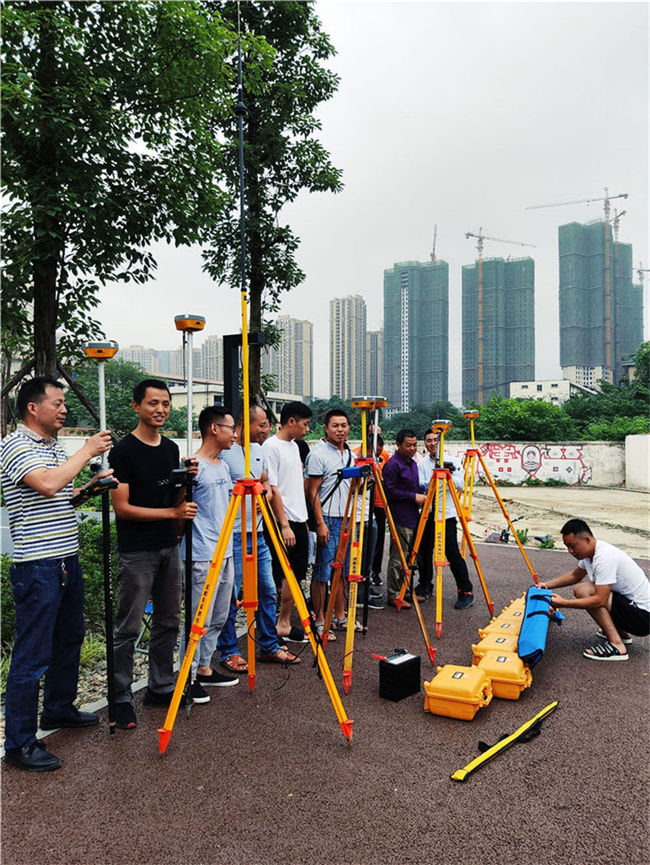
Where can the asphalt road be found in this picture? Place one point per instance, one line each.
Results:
(266, 777)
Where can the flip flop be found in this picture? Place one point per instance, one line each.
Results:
(235, 664)
(282, 656)
(342, 625)
(605, 652)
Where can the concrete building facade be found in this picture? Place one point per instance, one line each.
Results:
(498, 326)
(292, 361)
(348, 361)
(601, 310)
(375, 363)
(416, 334)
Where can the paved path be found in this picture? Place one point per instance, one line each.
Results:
(266, 778)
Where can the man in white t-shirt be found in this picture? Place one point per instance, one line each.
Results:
(610, 586)
(285, 473)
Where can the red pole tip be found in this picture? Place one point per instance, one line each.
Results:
(347, 680)
(163, 739)
(491, 608)
(432, 655)
(438, 629)
(398, 603)
(346, 726)
(251, 682)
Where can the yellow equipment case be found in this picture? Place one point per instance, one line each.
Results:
(494, 642)
(517, 604)
(507, 672)
(457, 692)
(499, 626)
(511, 615)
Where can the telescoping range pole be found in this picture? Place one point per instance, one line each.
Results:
(102, 351)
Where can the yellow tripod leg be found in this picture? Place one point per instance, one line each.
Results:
(338, 565)
(356, 553)
(468, 492)
(344, 721)
(439, 543)
(508, 520)
(198, 626)
(470, 543)
(249, 568)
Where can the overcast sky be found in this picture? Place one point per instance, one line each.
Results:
(455, 114)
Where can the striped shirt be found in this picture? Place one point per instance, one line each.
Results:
(41, 527)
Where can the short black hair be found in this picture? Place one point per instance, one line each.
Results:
(141, 388)
(34, 390)
(212, 414)
(429, 432)
(404, 434)
(251, 413)
(335, 412)
(296, 410)
(576, 527)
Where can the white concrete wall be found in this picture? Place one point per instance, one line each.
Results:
(637, 463)
(598, 464)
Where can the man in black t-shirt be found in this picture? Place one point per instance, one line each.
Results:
(148, 554)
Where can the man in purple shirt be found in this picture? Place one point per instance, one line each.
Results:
(402, 486)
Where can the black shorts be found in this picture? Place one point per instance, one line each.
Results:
(628, 617)
(297, 555)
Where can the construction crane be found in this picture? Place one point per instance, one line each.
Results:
(615, 221)
(609, 371)
(480, 237)
(432, 254)
(605, 199)
(640, 271)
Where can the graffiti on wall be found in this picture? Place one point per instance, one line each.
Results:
(513, 462)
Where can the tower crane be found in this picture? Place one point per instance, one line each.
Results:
(640, 271)
(615, 221)
(433, 248)
(609, 371)
(480, 237)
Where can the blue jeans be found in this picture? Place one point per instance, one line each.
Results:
(266, 637)
(48, 594)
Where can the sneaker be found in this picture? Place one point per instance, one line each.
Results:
(465, 600)
(216, 680)
(377, 580)
(375, 602)
(199, 694)
(125, 716)
(152, 698)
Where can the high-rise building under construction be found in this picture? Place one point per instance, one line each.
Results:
(601, 310)
(416, 334)
(498, 326)
(348, 346)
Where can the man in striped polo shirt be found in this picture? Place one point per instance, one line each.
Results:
(46, 578)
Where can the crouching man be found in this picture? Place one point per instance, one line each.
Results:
(610, 586)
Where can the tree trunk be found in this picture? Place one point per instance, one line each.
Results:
(48, 236)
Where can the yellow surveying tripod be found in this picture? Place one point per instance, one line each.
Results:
(441, 479)
(352, 536)
(473, 455)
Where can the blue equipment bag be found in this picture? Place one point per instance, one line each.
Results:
(537, 614)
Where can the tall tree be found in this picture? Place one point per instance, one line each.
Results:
(109, 113)
(282, 153)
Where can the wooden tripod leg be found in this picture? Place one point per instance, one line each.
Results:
(356, 553)
(468, 493)
(508, 520)
(198, 627)
(470, 543)
(299, 600)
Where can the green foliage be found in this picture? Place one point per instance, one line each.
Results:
(283, 154)
(92, 567)
(642, 365)
(421, 417)
(5, 661)
(611, 414)
(503, 419)
(93, 649)
(616, 429)
(7, 603)
(547, 544)
(109, 113)
(120, 377)
(522, 534)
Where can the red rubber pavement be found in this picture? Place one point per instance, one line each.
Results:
(266, 777)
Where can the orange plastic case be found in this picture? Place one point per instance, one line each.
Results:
(500, 626)
(495, 642)
(457, 692)
(507, 672)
